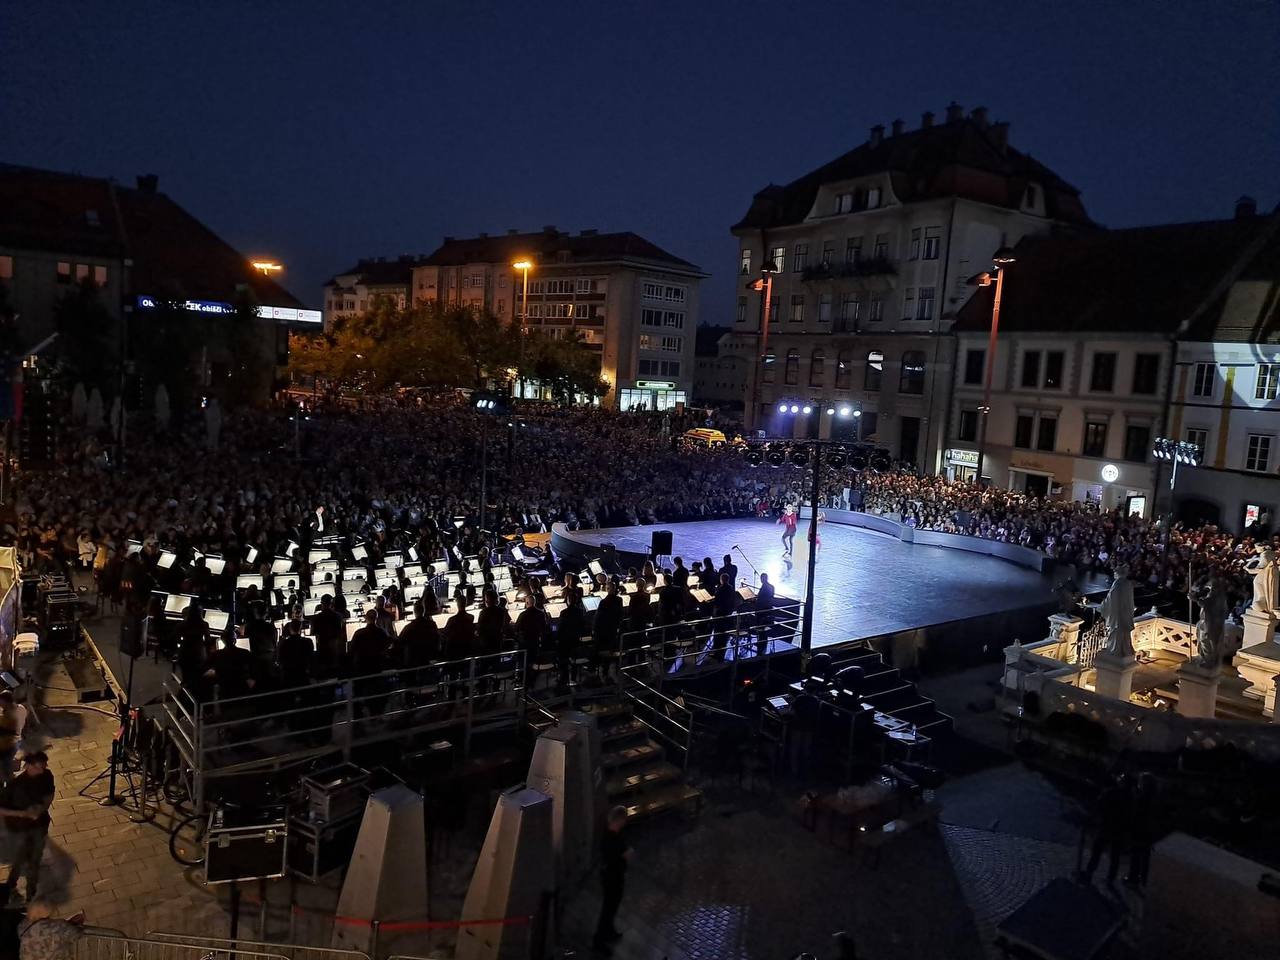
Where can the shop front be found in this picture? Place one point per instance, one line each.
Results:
(652, 395)
(1124, 486)
(1039, 475)
(962, 465)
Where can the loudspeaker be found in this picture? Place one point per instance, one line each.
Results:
(609, 557)
(660, 543)
(131, 644)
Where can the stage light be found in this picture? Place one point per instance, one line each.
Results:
(800, 456)
(782, 408)
(857, 413)
(806, 410)
(754, 456)
(795, 408)
(846, 410)
(776, 456)
(880, 461)
(831, 411)
(858, 460)
(837, 457)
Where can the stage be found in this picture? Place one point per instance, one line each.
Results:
(868, 584)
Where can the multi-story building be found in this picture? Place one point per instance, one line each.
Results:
(134, 246)
(630, 301)
(719, 377)
(871, 254)
(354, 291)
(1085, 358)
(1226, 394)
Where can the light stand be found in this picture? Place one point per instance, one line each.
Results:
(806, 629)
(129, 641)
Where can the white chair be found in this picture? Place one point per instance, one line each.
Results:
(28, 645)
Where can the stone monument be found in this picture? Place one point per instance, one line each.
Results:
(1258, 660)
(1115, 663)
(1198, 677)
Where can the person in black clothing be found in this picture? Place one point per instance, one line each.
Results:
(492, 625)
(193, 652)
(420, 639)
(570, 630)
(671, 599)
(231, 669)
(709, 577)
(532, 628)
(764, 602)
(800, 732)
(1114, 810)
(460, 631)
(608, 623)
(25, 808)
(724, 605)
(1144, 830)
(681, 573)
(614, 856)
(262, 635)
(295, 655)
(730, 569)
(327, 630)
(369, 647)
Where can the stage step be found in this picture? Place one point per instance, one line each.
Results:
(605, 710)
(628, 755)
(622, 731)
(677, 796)
(645, 778)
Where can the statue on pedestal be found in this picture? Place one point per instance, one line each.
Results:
(1212, 598)
(1263, 568)
(1117, 610)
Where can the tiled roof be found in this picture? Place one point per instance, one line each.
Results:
(378, 271)
(1248, 312)
(547, 245)
(174, 254)
(1141, 280)
(962, 158)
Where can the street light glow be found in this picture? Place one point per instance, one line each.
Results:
(831, 411)
(782, 408)
(523, 264)
(795, 408)
(807, 409)
(266, 266)
(845, 410)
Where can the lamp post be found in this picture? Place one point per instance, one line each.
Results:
(524, 265)
(1003, 257)
(764, 286)
(1176, 451)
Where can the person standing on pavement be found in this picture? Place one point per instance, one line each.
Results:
(1114, 816)
(614, 856)
(25, 808)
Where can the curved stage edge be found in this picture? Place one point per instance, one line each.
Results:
(924, 599)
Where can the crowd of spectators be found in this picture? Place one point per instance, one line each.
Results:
(1080, 533)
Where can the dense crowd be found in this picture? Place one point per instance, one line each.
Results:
(1075, 532)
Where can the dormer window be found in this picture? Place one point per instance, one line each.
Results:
(844, 203)
(873, 198)
(91, 218)
(1032, 196)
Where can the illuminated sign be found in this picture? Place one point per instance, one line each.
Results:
(217, 307)
(655, 384)
(967, 457)
(1110, 473)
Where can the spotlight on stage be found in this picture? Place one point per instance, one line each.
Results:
(837, 457)
(806, 409)
(800, 456)
(795, 408)
(775, 456)
(847, 410)
(831, 411)
(782, 408)
(754, 456)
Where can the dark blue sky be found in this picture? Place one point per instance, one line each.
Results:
(320, 132)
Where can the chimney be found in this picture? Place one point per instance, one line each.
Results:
(1000, 134)
(877, 134)
(979, 116)
(897, 128)
(1246, 207)
(955, 112)
(148, 182)
(926, 120)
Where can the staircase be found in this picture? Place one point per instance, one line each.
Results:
(638, 774)
(885, 689)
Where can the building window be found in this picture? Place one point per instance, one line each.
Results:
(1268, 380)
(1053, 363)
(768, 364)
(882, 246)
(673, 294)
(6, 268)
(924, 304)
(908, 303)
(648, 318)
(875, 371)
(853, 250)
(502, 306)
(741, 315)
(775, 310)
(673, 319)
(873, 198)
(64, 272)
(673, 344)
(1031, 369)
(1137, 442)
(975, 366)
(915, 245)
(1258, 455)
(828, 252)
(911, 377)
(1102, 379)
(797, 308)
(967, 429)
(844, 365)
(99, 276)
(877, 310)
(817, 368)
(584, 286)
(844, 202)
(779, 259)
(1095, 439)
(1202, 384)
(1199, 439)
(824, 308)
(746, 262)
(1146, 367)
(646, 341)
(800, 257)
(1047, 433)
(932, 237)
(849, 306)
(791, 373)
(82, 272)
(1022, 430)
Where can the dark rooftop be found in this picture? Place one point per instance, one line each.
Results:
(546, 245)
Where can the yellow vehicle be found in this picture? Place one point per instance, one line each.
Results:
(704, 437)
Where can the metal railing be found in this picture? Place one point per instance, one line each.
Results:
(217, 946)
(269, 731)
(95, 946)
(668, 720)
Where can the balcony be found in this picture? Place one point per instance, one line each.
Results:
(873, 273)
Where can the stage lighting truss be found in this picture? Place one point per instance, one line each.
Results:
(1176, 451)
(779, 453)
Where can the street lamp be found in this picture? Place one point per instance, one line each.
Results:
(763, 286)
(1176, 451)
(524, 265)
(267, 267)
(1002, 259)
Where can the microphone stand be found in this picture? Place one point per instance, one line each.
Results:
(748, 561)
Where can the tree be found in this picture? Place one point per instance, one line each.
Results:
(567, 365)
(83, 323)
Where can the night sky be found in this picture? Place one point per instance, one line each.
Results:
(319, 132)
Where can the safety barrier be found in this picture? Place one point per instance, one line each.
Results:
(292, 951)
(96, 946)
(267, 732)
